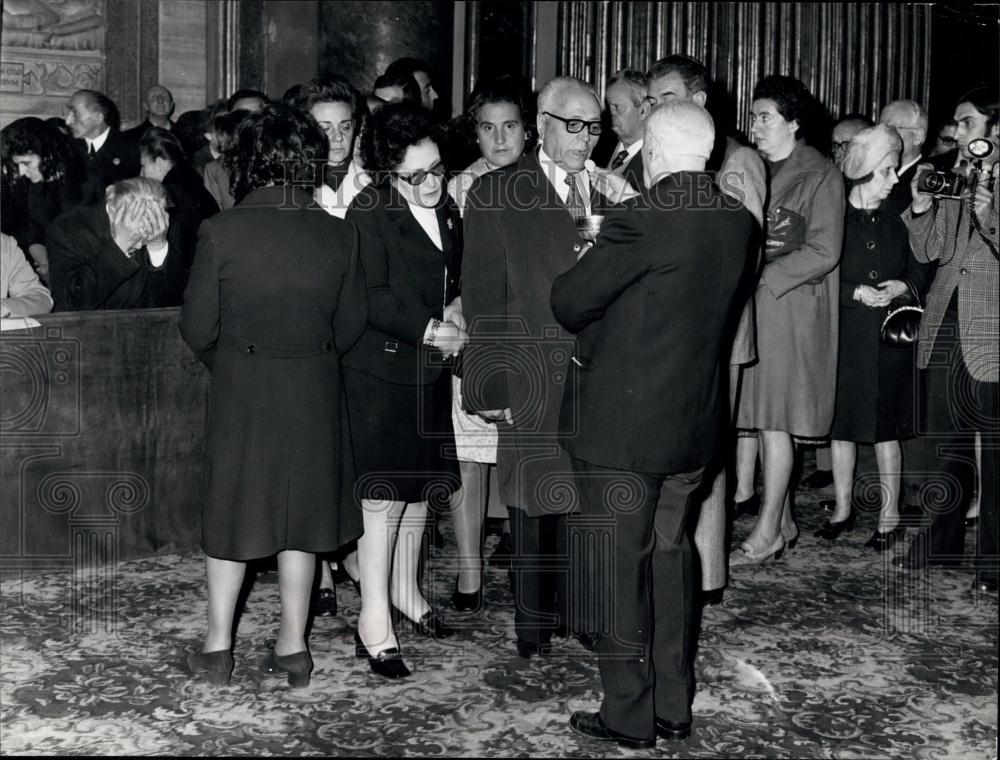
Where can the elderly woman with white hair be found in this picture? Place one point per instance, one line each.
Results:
(874, 401)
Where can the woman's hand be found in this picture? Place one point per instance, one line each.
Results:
(450, 339)
(871, 297)
(893, 289)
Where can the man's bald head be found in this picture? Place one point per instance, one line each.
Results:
(679, 136)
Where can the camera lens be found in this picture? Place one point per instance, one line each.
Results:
(934, 181)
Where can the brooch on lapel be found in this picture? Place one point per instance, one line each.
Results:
(116, 161)
(450, 224)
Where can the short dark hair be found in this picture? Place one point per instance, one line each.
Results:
(225, 126)
(984, 99)
(691, 70)
(499, 90)
(407, 67)
(331, 88)
(391, 131)
(411, 93)
(157, 142)
(98, 101)
(277, 145)
(240, 94)
(59, 159)
(791, 97)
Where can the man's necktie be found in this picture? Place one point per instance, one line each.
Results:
(574, 200)
(619, 159)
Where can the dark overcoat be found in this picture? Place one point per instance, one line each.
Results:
(399, 390)
(276, 296)
(660, 288)
(519, 237)
(874, 380)
(791, 386)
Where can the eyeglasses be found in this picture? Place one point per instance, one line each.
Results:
(573, 126)
(418, 177)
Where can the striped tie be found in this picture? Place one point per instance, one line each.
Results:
(574, 200)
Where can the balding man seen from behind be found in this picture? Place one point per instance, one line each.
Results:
(645, 412)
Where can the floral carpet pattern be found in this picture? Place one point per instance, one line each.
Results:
(828, 653)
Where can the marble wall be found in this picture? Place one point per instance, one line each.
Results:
(359, 39)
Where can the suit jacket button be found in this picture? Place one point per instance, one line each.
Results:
(963, 270)
(251, 349)
(873, 275)
(870, 245)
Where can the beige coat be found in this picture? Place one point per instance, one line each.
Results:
(791, 387)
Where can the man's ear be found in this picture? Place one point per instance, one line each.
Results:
(921, 136)
(700, 98)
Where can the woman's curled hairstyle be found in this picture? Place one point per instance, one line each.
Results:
(391, 130)
(277, 145)
(157, 142)
(59, 159)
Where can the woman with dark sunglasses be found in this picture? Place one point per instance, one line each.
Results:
(398, 382)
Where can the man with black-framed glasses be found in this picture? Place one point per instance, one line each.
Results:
(521, 233)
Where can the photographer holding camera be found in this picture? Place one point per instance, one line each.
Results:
(953, 220)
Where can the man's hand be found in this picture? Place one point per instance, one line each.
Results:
(40, 255)
(156, 224)
(922, 201)
(495, 415)
(453, 313)
(128, 226)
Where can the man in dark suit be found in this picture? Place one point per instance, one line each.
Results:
(115, 255)
(520, 228)
(626, 99)
(159, 105)
(94, 121)
(646, 412)
(910, 120)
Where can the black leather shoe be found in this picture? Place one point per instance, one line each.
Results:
(709, 598)
(471, 602)
(297, 665)
(588, 641)
(883, 542)
(818, 479)
(749, 506)
(502, 553)
(387, 663)
(325, 602)
(432, 626)
(674, 730)
(528, 649)
(590, 725)
(831, 530)
(984, 586)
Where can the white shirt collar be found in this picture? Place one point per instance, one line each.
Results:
(914, 162)
(98, 142)
(557, 176)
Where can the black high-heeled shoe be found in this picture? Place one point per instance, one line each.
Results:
(298, 665)
(215, 667)
(883, 542)
(430, 625)
(831, 531)
(467, 602)
(749, 507)
(387, 663)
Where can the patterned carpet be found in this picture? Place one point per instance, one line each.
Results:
(829, 652)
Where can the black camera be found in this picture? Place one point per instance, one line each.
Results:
(941, 184)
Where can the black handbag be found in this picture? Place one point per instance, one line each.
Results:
(901, 326)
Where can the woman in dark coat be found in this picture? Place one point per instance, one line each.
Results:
(399, 389)
(789, 392)
(275, 297)
(874, 401)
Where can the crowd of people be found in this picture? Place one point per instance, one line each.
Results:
(396, 312)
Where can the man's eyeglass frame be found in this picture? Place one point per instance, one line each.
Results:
(575, 126)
